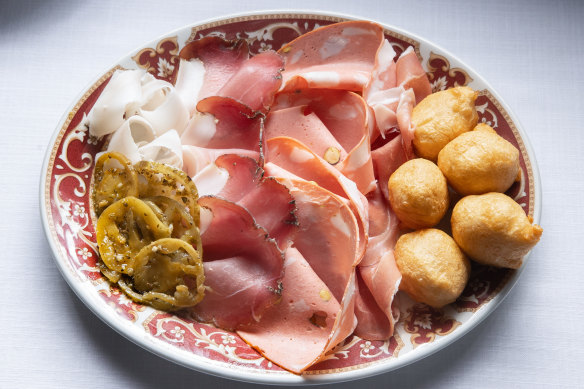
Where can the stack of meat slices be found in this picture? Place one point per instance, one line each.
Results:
(297, 232)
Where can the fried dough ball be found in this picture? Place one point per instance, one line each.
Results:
(418, 193)
(434, 269)
(493, 230)
(479, 162)
(441, 117)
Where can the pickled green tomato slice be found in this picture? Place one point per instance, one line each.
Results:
(157, 179)
(177, 219)
(123, 229)
(168, 275)
(113, 179)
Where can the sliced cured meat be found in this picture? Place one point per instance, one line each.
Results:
(410, 74)
(256, 81)
(404, 115)
(326, 57)
(378, 269)
(383, 76)
(301, 123)
(372, 323)
(233, 125)
(333, 124)
(189, 81)
(386, 160)
(295, 333)
(327, 234)
(296, 159)
(243, 267)
(221, 59)
(196, 158)
(268, 201)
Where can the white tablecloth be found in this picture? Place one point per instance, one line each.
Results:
(530, 51)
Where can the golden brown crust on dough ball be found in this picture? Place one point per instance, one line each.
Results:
(418, 193)
(434, 269)
(493, 230)
(479, 161)
(441, 117)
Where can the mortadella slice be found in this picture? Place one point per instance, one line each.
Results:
(327, 58)
(295, 333)
(297, 159)
(243, 267)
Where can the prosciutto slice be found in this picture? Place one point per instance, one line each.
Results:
(378, 270)
(410, 74)
(243, 267)
(386, 160)
(269, 202)
(229, 124)
(221, 60)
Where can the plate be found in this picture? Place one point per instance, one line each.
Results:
(68, 223)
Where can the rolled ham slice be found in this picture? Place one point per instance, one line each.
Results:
(243, 267)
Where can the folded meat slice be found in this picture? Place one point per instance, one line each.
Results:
(404, 116)
(386, 160)
(256, 81)
(318, 301)
(295, 333)
(297, 159)
(268, 201)
(379, 272)
(243, 266)
(221, 60)
(224, 123)
(332, 123)
(327, 58)
(197, 158)
(229, 72)
(411, 74)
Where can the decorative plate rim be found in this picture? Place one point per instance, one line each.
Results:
(240, 373)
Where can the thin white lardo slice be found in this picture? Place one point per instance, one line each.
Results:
(211, 180)
(162, 106)
(165, 149)
(132, 134)
(199, 130)
(189, 82)
(109, 111)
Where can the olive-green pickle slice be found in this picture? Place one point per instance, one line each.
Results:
(157, 179)
(168, 275)
(123, 229)
(114, 179)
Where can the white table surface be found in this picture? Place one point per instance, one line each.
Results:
(532, 52)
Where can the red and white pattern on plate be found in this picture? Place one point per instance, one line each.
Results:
(72, 223)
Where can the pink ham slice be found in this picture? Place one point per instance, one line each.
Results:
(386, 160)
(269, 202)
(378, 270)
(319, 283)
(236, 125)
(229, 72)
(221, 58)
(243, 267)
(404, 115)
(325, 120)
(295, 158)
(295, 333)
(327, 58)
(410, 74)
(256, 81)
